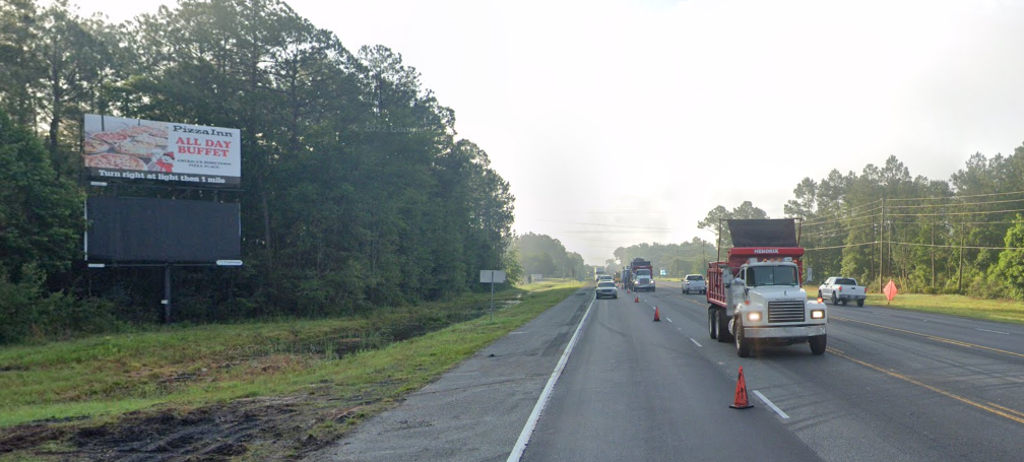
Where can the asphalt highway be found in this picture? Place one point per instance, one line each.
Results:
(894, 385)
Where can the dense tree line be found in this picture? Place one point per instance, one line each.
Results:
(965, 235)
(357, 192)
(545, 255)
(956, 236)
(676, 259)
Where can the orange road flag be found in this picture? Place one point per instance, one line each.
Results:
(890, 290)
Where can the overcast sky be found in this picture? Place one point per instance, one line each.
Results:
(620, 122)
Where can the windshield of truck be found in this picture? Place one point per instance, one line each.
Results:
(846, 281)
(695, 277)
(771, 276)
(643, 272)
(606, 284)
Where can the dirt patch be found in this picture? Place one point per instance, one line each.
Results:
(283, 429)
(271, 428)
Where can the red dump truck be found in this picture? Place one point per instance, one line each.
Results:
(755, 295)
(642, 275)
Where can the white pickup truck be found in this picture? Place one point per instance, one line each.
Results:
(694, 283)
(840, 290)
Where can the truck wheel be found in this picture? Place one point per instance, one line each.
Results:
(835, 301)
(860, 302)
(842, 301)
(723, 327)
(712, 323)
(742, 343)
(818, 343)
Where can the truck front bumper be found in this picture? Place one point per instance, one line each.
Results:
(783, 332)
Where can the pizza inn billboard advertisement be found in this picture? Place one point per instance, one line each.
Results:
(118, 150)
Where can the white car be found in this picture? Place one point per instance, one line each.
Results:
(605, 277)
(606, 289)
(694, 283)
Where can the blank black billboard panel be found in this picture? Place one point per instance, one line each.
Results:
(132, 229)
(763, 233)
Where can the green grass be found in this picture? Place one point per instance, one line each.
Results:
(184, 368)
(955, 305)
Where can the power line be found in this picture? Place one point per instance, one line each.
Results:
(949, 246)
(842, 246)
(957, 204)
(833, 219)
(956, 197)
(956, 246)
(980, 212)
(607, 225)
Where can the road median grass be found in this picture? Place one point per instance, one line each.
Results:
(954, 305)
(334, 372)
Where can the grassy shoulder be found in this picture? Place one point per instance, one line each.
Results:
(359, 364)
(954, 305)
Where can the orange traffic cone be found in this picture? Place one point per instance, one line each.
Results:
(637, 299)
(657, 318)
(741, 393)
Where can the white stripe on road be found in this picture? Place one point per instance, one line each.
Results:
(669, 319)
(771, 405)
(531, 423)
(695, 343)
(992, 331)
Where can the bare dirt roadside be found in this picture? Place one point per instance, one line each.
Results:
(286, 428)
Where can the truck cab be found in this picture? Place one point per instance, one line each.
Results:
(765, 303)
(755, 295)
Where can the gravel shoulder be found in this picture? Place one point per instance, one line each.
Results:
(476, 411)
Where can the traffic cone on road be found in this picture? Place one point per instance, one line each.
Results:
(741, 401)
(657, 317)
(637, 299)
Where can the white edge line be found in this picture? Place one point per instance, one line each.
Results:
(669, 319)
(531, 423)
(695, 343)
(771, 405)
(992, 331)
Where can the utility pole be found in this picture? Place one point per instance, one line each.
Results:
(933, 254)
(881, 247)
(960, 276)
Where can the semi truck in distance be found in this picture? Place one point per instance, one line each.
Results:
(640, 268)
(755, 296)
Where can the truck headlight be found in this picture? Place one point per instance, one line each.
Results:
(754, 316)
(817, 314)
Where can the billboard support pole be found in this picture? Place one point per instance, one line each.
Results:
(167, 294)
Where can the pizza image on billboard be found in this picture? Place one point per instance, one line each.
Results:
(117, 149)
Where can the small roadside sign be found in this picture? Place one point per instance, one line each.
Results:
(492, 277)
(495, 276)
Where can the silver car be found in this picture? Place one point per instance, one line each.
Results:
(606, 289)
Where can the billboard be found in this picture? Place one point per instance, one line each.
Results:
(126, 150)
(135, 229)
